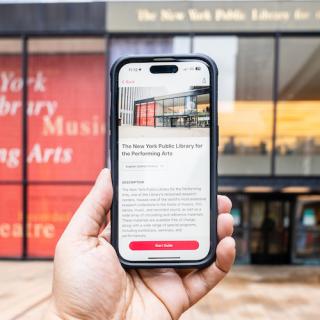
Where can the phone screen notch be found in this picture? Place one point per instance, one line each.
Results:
(164, 69)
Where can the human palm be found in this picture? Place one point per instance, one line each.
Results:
(90, 283)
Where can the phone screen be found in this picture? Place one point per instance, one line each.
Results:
(164, 161)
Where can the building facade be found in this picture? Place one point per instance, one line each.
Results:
(268, 55)
(186, 109)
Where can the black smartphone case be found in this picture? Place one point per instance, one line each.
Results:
(214, 140)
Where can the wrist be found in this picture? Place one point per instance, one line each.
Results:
(51, 312)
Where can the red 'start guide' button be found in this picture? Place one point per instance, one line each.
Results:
(164, 245)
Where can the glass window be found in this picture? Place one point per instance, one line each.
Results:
(66, 95)
(159, 121)
(191, 121)
(240, 212)
(166, 121)
(298, 130)
(245, 101)
(146, 45)
(168, 107)
(159, 108)
(258, 209)
(307, 230)
(179, 105)
(11, 86)
(203, 106)
(150, 113)
(50, 210)
(190, 105)
(143, 114)
(137, 113)
(10, 220)
(10, 109)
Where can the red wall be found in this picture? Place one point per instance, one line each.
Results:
(145, 113)
(66, 145)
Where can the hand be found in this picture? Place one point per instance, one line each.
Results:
(89, 282)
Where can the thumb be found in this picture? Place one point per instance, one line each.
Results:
(90, 216)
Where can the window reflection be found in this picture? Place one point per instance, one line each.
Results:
(203, 105)
(307, 237)
(298, 130)
(245, 101)
(240, 213)
(168, 107)
(179, 105)
(159, 108)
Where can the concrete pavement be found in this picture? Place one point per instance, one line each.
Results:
(249, 292)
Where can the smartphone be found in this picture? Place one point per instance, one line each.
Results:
(163, 147)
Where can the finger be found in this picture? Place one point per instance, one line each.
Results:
(165, 283)
(224, 204)
(225, 225)
(91, 215)
(200, 282)
(105, 222)
(184, 272)
(106, 233)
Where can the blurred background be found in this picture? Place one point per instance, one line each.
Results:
(53, 133)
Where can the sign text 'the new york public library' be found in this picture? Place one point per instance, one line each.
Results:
(213, 16)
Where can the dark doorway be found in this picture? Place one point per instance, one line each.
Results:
(173, 122)
(178, 122)
(270, 229)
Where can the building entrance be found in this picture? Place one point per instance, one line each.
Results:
(178, 121)
(270, 229)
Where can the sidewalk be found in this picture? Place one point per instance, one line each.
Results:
(250, 292)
